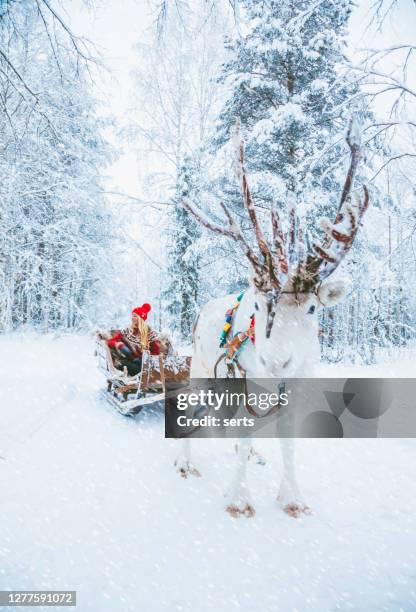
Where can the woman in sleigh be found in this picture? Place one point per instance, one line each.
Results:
(131, 350)
(127, 345)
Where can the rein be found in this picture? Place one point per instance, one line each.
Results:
(231, 365)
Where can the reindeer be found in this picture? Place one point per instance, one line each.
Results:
(285, 299)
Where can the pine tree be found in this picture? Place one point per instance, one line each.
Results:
(181, 295)
(285, 81)
(285, 86)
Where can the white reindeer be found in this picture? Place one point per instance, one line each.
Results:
(285, 300)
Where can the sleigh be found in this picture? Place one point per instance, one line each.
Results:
(128, 394)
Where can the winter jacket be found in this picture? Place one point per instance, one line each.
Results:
(125, 339)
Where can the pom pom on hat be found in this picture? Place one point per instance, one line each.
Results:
(143, 311)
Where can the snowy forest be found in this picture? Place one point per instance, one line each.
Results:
(79, 247)
(119, 119)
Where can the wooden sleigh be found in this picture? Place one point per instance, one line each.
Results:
(128, 394)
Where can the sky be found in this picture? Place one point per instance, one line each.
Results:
(115, 26)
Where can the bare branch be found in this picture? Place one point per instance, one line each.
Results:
(75, 40)
(18, 75)
(393, 158)
(389, 78)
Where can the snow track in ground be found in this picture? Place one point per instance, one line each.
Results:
(89, 501)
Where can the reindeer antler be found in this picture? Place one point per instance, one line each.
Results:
(275, 260)
(233, 231)
(279, 251)
(248, 200)
(340, 235)
(271, 268)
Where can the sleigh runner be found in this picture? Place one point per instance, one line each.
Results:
(128, 394)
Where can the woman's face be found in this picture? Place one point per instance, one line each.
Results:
(135, 319)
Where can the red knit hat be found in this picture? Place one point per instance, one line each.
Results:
(143, 311)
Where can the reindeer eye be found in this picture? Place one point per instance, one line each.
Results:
(311, 309)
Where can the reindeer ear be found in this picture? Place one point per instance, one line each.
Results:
(332, 292)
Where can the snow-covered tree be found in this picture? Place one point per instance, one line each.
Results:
(175, 101)
(284, 84)
(181, 294)
(53, 222)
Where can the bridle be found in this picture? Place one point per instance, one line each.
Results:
(313, 292)
(233, 363)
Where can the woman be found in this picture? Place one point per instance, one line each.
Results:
(132, 341)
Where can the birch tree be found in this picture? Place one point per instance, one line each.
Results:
(53, 224)
(175, 101)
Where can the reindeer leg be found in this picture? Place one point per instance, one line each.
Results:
(240, 503)
(257, 456)
(289, 497)
(183, 463)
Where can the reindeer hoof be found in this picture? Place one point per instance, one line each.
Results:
(296, 510)
(236, 511)
(190, 471)
(185, 469)
(259, 459)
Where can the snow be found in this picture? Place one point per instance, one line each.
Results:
(288, 113)
(279, 118)
(262, 130)
(318, 85)
(354, 132)
(90, 501)
(279, 45)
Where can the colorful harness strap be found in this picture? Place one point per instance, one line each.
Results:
(238, 340)
(229, 319)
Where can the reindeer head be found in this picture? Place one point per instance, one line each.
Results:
(299, 287)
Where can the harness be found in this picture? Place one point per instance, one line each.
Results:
(229, 315)
(237, 342)
(234, 347)
(234, 342)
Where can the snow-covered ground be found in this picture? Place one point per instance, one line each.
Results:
(89, 500)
